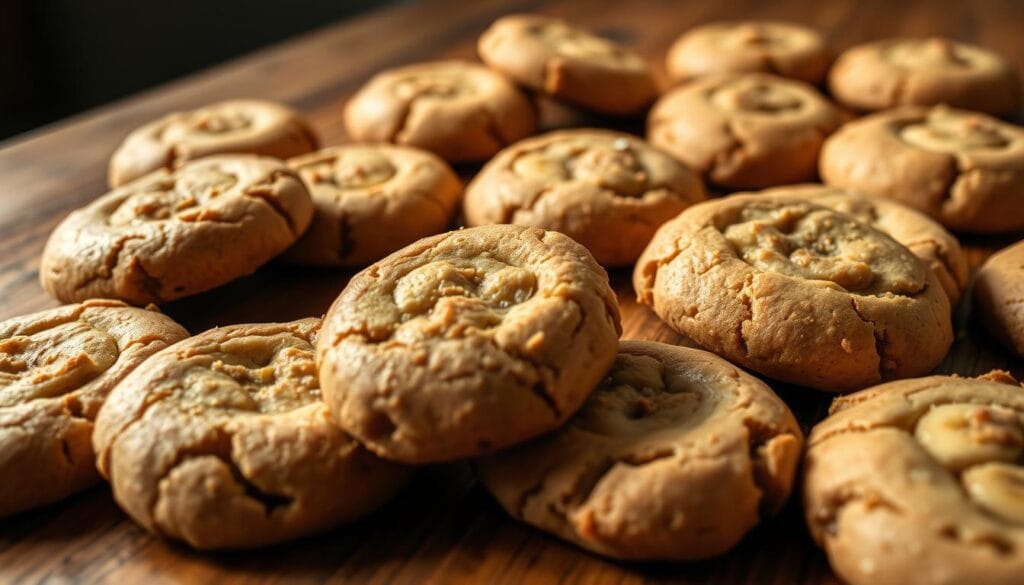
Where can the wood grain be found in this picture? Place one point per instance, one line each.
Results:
(444, 528)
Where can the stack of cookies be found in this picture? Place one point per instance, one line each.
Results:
(499, 342)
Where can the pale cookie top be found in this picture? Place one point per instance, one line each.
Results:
(999, 295)
(176, 233)
(783, 48)
(924, 71)
(371, 200)
(674, 456)
(586, 184)
(963, 168)
(234, 126)
(927, 239)
(467, 342)
(922, 477)
(550, 55)
(737, 129)
(733, 273)
(459, 110)
(223, 441)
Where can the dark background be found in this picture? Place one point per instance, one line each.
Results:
(59, 57)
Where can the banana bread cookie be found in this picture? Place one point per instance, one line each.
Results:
(467, 342)
(223, 441)
(920, 481)
(607, 190)
(796, 291)
(370, 200)
(999, 295)
(56, 369)
(675, 456)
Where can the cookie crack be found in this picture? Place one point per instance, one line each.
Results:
(827, 517)
(885, 361)
(264, 192)
(111, 261)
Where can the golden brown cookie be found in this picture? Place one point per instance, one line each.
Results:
(924, 72)
(999, 295)
(175, 233)
(467, 342)
(750, 46)
(675, 456)
(607, 190)
(56, 369)
(920, 481)
(371, 200)
(223, 441)
(557, 59)
(744, 131)
(928, 240)
(962, 168)
(234, 126)
(796, 291)
(461, 111)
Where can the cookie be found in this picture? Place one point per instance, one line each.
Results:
(370, 200)
(467, 342)
(750, 46)
(56, 368)
(234, 126)
(175, 233)
(557, 59)
(999, 295)
(962, 168)
(223, 441)
(607, 190)
(744, 131)
(796, 291)
(675, 456)
(924, 72)
(926, 239)
(920, 481)
(459, 110)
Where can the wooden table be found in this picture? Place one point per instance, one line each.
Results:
(444, 527)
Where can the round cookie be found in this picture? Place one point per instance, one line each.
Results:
(796, 291)
(234, 126)
(962, 168)
(783, 48)
(675, 456)
(999, 295)
(467, 342)
(175, 233)
(370, 200)
(920, 481)
(223, 441)
(924, 72)
(459, 110)
(555, 58)
(925, 238)
(744, 131)
(56, 369)
(607, 190)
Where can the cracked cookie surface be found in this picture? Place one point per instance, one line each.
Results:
(607, 190)
(234, 126)
(56, 369)
(461, 111)
(555, 58)
(743, 131)
(370, 200)
(675, 456)
(999, 295)
(467, 342)
(175, 233)
(797, 291)
(783, 48)
(223, 441)
(924, 72)
(963, 168)
(927, 239)
(921, 481)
